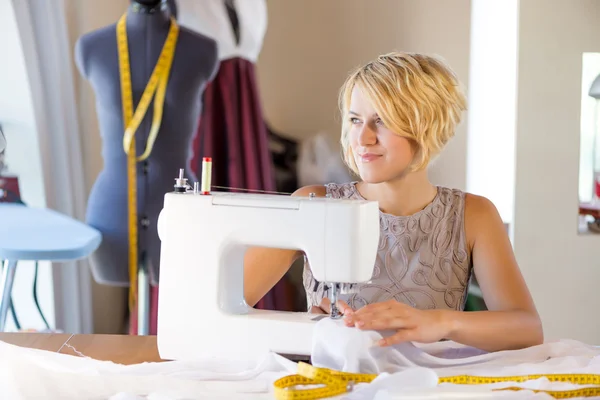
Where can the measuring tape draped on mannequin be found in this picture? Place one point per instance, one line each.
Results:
(157, 87)
(334, 383)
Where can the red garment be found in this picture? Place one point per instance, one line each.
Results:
(232, 131)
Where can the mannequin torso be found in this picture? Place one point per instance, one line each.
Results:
(195, 63)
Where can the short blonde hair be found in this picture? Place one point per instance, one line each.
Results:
(416, 96)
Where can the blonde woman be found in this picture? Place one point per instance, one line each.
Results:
(399, 111)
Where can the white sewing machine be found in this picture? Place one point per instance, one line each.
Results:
(202, 313)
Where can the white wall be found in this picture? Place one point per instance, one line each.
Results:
(311, 45)
(18, 119)
(561, 268)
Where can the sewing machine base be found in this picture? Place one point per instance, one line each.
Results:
(243, 338)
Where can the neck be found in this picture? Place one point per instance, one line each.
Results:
(148, 13)
(402, 197)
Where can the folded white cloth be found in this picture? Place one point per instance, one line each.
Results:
(406, 371)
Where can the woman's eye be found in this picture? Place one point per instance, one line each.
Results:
(354, 120)
(379, 122)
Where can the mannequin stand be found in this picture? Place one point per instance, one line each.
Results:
(143, 308)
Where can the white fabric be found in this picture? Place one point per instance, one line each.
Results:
(406, 371)
(352, 350)
(35, 374)
(210, 18)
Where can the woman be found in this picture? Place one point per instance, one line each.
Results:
(399, 111)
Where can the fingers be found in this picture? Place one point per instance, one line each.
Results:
(403, 335)
(381, 323)
(341, 305)
(377, 321)
(378, 307)
(344, 307)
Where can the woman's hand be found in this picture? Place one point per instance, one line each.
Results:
(423, 326)
(325, 307)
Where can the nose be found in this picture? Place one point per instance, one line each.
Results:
(367, 136)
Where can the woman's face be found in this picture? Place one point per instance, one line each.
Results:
(380, 154)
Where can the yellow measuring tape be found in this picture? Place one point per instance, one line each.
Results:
(334, 383)
(131, 121)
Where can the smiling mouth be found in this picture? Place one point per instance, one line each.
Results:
(367, 158)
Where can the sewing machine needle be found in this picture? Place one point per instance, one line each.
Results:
(334, 311)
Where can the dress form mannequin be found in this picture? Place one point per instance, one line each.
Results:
(195, 63)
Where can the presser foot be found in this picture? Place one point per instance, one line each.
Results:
(334, 290)
(334, 312)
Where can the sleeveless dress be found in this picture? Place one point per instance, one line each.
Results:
(422, 260)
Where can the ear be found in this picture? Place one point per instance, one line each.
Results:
(419, 156)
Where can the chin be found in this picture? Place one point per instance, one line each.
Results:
(372, 177)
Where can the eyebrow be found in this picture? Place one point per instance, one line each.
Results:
(358, 115)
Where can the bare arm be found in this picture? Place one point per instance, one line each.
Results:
(512, 320)
(264, 267)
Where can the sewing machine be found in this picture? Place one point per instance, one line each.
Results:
(202, 313)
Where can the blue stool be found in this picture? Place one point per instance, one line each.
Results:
(38, 234)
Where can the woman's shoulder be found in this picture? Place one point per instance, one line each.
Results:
(478, 206)
(474, 207)
(305, 191)
(481, 217)
(335, 190)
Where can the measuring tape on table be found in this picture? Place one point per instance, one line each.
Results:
(334, 383)
(156, 87)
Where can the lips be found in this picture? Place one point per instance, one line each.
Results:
(369, 157)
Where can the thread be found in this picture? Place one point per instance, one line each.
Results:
(206, 175)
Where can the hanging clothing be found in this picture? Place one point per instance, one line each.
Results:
(284, 152)
(231, 129)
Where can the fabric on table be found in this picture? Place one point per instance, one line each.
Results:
(342, 348)
(65, 377)
(347, 349)
(406, 371)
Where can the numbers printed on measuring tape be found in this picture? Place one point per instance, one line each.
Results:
(156, 87)
(334, 383)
